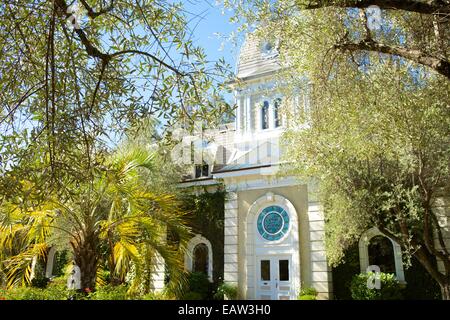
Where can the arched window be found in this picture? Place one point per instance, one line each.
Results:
(381, 253)
(377, 249)
(200, 258)
(265, 115)
(276, 113)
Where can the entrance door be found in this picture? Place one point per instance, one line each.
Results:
(274, 278)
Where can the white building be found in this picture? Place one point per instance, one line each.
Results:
(273, 225)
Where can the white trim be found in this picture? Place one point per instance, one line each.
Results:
(254, 248)
(200, 182)
(188, 256)
(363, 245)
(50, 262)
(264, 183)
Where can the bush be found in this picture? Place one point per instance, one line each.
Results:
(163, 295)
(199, 284)
(307, 293)
(109, 292)
(56, 290)
(31, 293)
(192, 295)
(307, 297)
(40, 282)
(390, 288)
(226, 290)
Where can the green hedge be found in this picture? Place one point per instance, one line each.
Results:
(307, 293)
(56, 290)
(226, 290)
(390, 288)
(199, 287)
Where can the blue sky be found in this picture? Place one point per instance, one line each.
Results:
(206, 27)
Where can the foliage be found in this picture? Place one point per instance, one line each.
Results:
(66, 99)
(60, 262)
(163, 295)
(307, 297)
(81, 85)
(206, 216)
(198, 287)
(373, 133)
(226, 290)
(56, 290)
(192, 295)
(119, 213)
(39, 280)
(109, 292)
(307, 293)
(343, 273)
(390, 287)
(419, 284)
(331, 32)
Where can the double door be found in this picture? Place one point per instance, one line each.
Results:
(274, 278)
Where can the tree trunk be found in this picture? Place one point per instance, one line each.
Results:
(443, 280)
(86, 258)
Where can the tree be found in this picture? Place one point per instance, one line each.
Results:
(376, 137)
(423, 42)
(119, 211)
(75, 75)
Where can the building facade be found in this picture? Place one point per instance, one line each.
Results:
(273, 226)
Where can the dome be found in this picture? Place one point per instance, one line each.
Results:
(257, 57)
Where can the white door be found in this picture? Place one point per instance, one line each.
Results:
(274, 278)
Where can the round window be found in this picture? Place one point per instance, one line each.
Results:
(273, 223)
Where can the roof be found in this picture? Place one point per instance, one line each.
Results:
(239, 167)
(254, 60)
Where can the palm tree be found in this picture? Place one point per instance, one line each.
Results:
(116, 219)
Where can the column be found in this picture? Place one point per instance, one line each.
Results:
(320, 272)
(231, 239)
(248, 114)
(238, 113)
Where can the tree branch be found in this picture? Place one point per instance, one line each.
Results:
(440, 65)
(94, 14)
(94, 52)
(425, 7)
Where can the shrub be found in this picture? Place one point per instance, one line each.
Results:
(162, 295)
(31, 293)
(307, 297)
(307, 293)
(192, 295)
(390, 288)
(198, 283)
(226, 290)
(40, 282)
(109, 292)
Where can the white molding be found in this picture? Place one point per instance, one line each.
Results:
(363, 245)
(188, 256)
(205, 182)
(263, 182)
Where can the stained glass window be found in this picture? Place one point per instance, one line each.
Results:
(273, 223)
